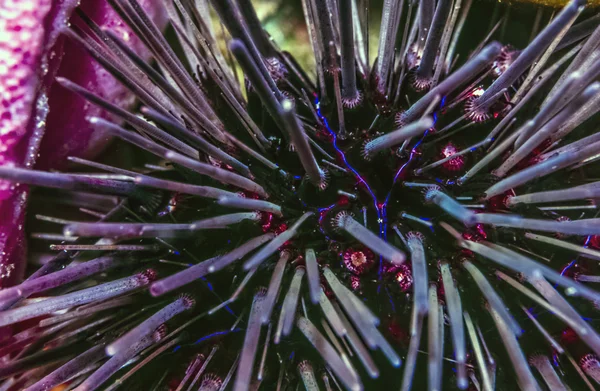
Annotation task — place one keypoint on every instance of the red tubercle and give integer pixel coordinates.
(475, 234)
(481, 231)
(355, 283)
(280, 228)
(594, 242)
(266, 220)
(358, 260)
(174, 383)
(572, 270)
(327, 289)
(147, 276)
(454, 164)
(388, 269)
(343, 200)
(534, 156)
(571, 342)
(250, 195)
(396, 332)
(403, 277)
(568, 336)
(441, 291)
(271, 223)
(471, 236)
(500, 202)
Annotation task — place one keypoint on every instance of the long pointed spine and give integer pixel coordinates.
(343, 370)
(300, 141)
(312, 274)
(248, 354)
(533, 50)
(456, 324)
(524, 376)
(425, 71)
(349, 89)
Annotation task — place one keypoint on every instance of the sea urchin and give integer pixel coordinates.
(308, 230)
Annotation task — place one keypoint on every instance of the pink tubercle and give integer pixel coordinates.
(500, 202)
(403, 278)
(358, 260)
(475, 234)
(355, 283)
(454, 164)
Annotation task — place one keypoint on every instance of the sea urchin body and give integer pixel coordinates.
(279, 221)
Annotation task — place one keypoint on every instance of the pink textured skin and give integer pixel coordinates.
(68, 131)
(31, 53)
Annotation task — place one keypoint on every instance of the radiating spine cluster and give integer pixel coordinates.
(255, 246)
